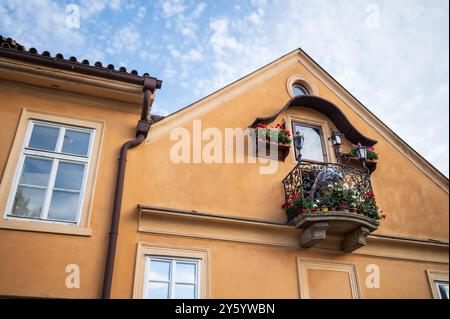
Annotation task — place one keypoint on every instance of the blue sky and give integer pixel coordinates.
(392, 55)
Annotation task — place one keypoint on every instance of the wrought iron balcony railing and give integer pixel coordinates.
(330, 186)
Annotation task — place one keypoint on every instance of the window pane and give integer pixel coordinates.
(35, 171)
(185, 272)
(443, 289)
(159, 270)
(312, 146)
(299, 90)
(76, 142)
(158, 290)
(63, 206)
(28, 202)
(183, 291)
(69, 176)
(44, 137)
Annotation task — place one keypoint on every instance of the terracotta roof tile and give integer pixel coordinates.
(11, 48)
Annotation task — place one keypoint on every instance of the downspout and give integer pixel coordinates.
(143, 126)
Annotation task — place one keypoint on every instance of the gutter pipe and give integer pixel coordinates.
(142, 129)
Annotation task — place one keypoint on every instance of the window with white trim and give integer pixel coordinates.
(313, 146)
(51, 174)
(442, 289)
(171, 278)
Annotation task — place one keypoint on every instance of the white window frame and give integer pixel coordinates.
(437, 283)
(56, 156)
(321, 136)
(172, 283)
(435, 276)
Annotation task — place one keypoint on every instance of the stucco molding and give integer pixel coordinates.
(173, 222)
(30, 70)
(303, 265)
(302, 80)
(328, 109)
(58, 95)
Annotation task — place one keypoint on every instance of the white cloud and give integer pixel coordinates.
(173, 7)
(221, 39)
(141, 11)
(127, 38)
(199, 8)
(192, 55)
(115, 4)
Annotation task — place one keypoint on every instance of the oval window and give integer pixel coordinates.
(299, 90)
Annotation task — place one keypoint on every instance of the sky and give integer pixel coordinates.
(393, 55)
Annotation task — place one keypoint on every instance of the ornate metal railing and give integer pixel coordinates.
(331, 186)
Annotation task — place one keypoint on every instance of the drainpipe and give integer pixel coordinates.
(143, 126)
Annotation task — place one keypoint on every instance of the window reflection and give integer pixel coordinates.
(312, 146)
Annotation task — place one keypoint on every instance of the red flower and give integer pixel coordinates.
(260, 125)
(371, 194)
(286, 205)
(371, 148)
(288, 133)
(294, 197)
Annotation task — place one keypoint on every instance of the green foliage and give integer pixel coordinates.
(371, 155)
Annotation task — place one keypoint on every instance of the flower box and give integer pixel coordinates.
(282, 150)
(371, 164)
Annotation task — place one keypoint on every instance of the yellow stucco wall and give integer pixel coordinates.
(33, 264)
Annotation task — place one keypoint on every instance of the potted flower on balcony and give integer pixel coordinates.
(309, 205)
(371, 161)
(372, 157)
(352, 197)
(370, 208)
(265, 135)
(341, 197)
(293, 206)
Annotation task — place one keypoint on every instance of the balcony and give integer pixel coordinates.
(327, 198)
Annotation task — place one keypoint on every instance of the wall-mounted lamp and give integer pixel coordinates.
(336, 140)
(299, 139)
(361, 152)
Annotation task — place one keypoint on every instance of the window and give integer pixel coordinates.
(298, 85)
(438, 283)
(299, 90)
(51, 175)
(313, 148)
(171, 278)
(171, 272)
(442, 289)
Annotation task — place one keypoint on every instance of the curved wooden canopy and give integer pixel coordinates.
(326, 108)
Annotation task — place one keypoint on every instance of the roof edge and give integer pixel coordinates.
(383, 127)
(72, 65)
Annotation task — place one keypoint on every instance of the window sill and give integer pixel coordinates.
(45, 227)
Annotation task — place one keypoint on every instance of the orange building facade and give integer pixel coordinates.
(199, 221)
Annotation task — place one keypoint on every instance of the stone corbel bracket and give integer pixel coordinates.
(353, 228)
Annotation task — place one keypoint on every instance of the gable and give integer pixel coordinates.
(345, 98)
